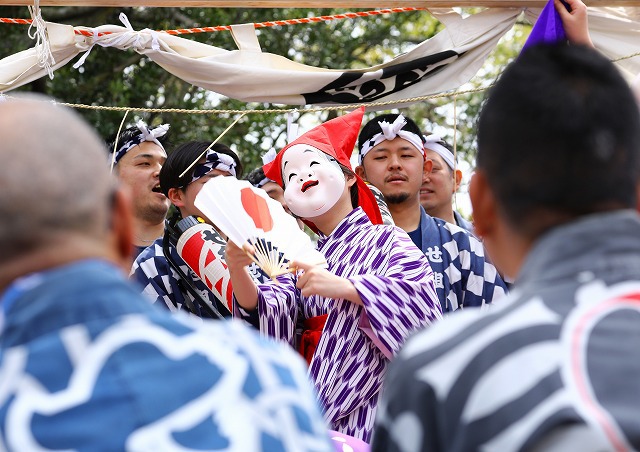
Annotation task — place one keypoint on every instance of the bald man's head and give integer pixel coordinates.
(54, 181)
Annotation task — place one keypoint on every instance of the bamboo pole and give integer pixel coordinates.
(310, 3)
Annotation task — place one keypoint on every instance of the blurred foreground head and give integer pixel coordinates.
(58, 202)
(559, 138)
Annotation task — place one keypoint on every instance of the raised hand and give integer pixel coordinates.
(575, 22)
(244, 288)
(236, 257)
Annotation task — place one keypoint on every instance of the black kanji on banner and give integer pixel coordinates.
(360, 87)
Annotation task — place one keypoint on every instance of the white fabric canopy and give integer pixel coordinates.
(616, 33)
(442, 63)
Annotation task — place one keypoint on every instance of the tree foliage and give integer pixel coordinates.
(112, 77)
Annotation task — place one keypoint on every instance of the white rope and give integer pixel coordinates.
(212, 143)
(38, 31)
(84, 56)
(129, 38)
(115, 143)
(292, 127)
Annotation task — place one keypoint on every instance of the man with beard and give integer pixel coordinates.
(137, 160)
(392, 158)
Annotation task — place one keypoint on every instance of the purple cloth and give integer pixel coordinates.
(394, 281)
(548, 28)
(346, 443)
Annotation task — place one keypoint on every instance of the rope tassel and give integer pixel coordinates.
(38, 31)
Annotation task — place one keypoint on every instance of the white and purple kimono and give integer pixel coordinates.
(394, 281)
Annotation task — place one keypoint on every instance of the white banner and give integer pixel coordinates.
(441, 63)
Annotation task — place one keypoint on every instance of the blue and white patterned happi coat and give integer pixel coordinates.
(394, 281)
(463, 275)
(86, 363)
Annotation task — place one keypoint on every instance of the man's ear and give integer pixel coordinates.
(361, 172)
(122, 229)
(457, 174)
(484, 205)
(428, 166)
(176, 196)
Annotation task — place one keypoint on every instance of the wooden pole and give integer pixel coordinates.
(343, 4)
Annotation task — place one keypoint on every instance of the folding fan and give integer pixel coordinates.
(248, 215)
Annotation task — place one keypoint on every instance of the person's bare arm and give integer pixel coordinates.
(575, 22)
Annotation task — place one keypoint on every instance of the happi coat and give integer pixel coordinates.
(554, 367)
(394, 281)
(88, 364)
(462, 222)
(463, 275)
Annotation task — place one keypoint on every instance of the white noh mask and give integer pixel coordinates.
(314, 181)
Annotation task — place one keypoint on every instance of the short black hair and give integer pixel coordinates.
(128, 134)
(559, 137)
(353, 191)
(183, 156)
(256, 176)
(372, 127)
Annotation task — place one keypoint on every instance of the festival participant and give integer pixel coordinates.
(153, 270)
(392, 158)
(136, 162)
(86, 363)
(556, 368)
(440, 184)
(377, 289)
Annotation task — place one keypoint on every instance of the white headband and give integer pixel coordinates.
(214, 160)
(267, 158)
(432, 143)
(389, 132)
(153, 134)
(145, 135)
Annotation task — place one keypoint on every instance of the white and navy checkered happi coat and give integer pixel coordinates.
(463, 275)
(394, 281)
(162, 284)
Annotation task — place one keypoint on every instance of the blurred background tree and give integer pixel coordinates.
(111, 77)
